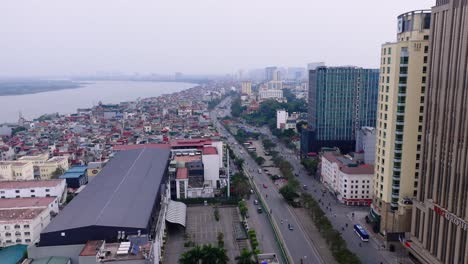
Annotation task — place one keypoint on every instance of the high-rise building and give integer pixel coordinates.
(277, 75)
(246, 87)
(341, 101)
(270, 72)
(403, 71)
(439, 229)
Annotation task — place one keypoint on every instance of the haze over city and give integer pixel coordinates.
(54, 37)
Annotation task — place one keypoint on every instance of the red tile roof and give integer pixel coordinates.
(187, 158)
(210, 151)
(190, 142)
(29, 184)
(182, 173)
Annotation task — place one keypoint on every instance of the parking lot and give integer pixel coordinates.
(202, 228)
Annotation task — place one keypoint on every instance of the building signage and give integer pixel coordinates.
(451, 217)
(400, 25)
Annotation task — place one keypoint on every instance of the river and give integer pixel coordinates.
(69, 100)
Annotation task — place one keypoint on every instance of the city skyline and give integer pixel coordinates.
(78, 38)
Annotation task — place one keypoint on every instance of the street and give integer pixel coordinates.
(298, 245)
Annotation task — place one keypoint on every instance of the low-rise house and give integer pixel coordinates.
(76, 176)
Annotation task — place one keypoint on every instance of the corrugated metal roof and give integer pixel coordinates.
(121, 194)
(51, 260)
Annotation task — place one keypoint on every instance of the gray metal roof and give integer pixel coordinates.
(121, 195)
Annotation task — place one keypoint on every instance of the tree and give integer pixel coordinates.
(288, 192)
(245, 257)
(260, 160)
(57, 173)
(192, 256)
(204, 255)
(236, 107)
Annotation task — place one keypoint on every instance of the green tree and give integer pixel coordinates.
(57, 173)
(236, 107)
(204, 255)
(260, 160)
(288, 192)
(192, 256)
(246, 257)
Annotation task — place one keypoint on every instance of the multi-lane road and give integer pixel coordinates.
(299, 246)
(342, 217)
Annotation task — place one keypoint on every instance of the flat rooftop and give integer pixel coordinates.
(111, 248)
(30, 184)
(29, 202)
(8, 215)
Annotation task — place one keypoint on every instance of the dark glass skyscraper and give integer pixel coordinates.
(341, 100)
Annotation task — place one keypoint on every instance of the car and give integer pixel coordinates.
(297, 175)
(251, 191)
(259, 210)
(264, 186)
(290, 227)
(255, 202)
(305, 187)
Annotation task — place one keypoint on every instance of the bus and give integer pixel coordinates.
(361, 232)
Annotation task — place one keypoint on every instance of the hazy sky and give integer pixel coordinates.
(59, 37)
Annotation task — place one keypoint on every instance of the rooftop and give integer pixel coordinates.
(26, 202)
(8, 215)
(140, 146)
(347, 166)
(182, 173)
(29, 184)
(111, 250)
(51, 260)
(210, 151)
(187, 158)
(120, 195)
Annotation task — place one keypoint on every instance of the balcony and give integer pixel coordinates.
(397, 169)
(395, 196)
(400, 122)
(396, 178)
(397, 160)
(398, 132)
(398, 141)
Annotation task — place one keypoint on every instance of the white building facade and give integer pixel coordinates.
(34, 188)
(350, 182)
(16, 170)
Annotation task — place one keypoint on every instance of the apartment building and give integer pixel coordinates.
(403, 78)
(44, 168)
(350, 180)
(33, 188)
(246, 87)
(23, 219)
(16, 170)
(439, 229)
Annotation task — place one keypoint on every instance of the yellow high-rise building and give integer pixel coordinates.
(400, 111)
(246, 87)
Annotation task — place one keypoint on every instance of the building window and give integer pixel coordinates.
(17, 191)
(27, 233)
(27, 240)
(425, 59)
(47, 195)
(26, 226)
(426, 37)
(47, 190)
(32, 191)
(389, 51)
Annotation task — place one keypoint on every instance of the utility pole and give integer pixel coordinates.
(228, 175)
